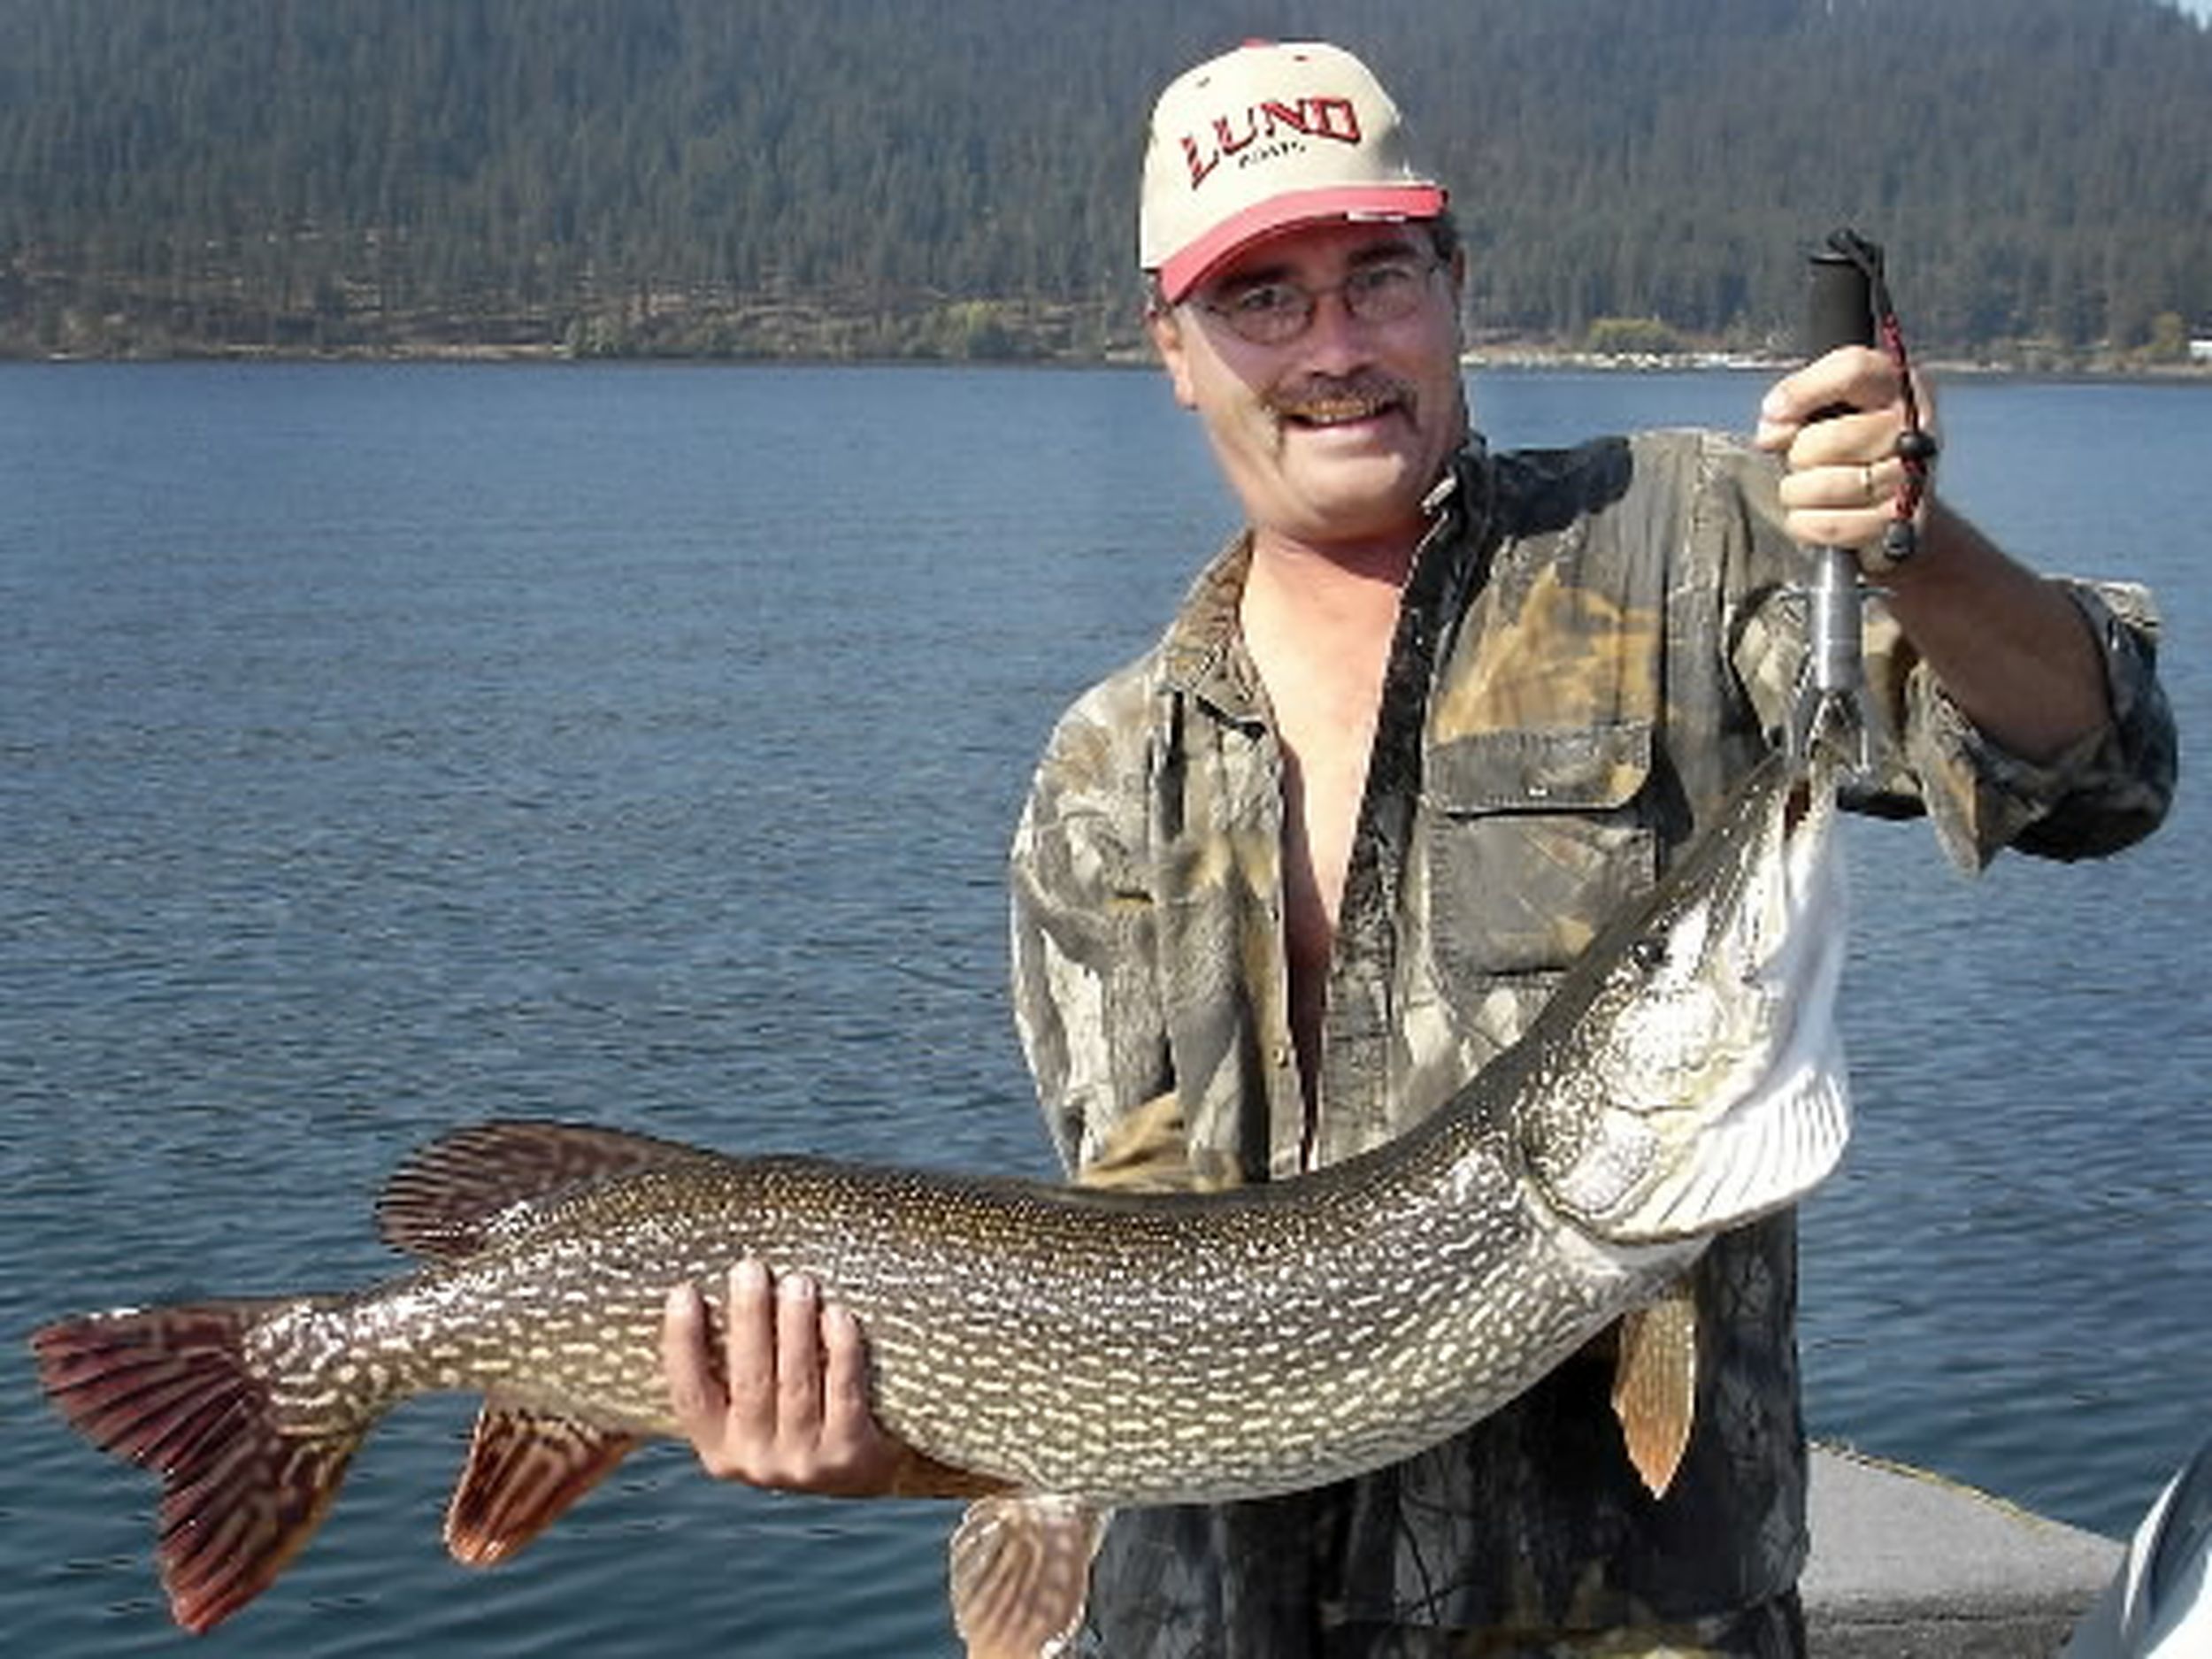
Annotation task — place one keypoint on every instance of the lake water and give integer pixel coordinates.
(386, 747)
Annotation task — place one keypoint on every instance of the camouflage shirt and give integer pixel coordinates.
(1592, 646)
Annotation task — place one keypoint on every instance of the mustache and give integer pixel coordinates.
(1341, 398)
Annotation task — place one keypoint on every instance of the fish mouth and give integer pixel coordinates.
(1724, 1094)
(1779, 1126)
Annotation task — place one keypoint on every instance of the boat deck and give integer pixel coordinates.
(1907, 1565)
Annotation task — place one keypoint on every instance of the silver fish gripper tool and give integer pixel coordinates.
(1831, 706)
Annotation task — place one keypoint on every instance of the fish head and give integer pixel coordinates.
(1694, 1075)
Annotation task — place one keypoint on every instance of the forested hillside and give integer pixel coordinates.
(956, 177)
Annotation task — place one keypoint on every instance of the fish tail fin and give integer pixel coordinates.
(174, 1390)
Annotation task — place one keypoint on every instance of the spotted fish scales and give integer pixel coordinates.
(1077, 1349)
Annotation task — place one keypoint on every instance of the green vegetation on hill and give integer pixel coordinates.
(955, 178)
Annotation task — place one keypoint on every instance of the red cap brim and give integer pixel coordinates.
(1389, 202)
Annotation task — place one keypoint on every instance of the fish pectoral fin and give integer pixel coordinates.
(1021, 1573)
(1654, 1385)
(525, 1468)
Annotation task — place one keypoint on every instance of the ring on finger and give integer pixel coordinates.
(1866, 481)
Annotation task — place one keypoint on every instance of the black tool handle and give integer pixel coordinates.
(1839, 305)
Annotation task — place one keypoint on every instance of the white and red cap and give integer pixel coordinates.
(1264, 138)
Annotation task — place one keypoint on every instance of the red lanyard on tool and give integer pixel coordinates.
(1916, 446)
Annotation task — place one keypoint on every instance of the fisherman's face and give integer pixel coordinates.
(1333, 435)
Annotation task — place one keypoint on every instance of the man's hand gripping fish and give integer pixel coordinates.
(1074, 1349)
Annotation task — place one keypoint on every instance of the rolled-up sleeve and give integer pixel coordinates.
(2104, 793)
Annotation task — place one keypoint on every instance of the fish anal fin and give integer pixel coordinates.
(525, 1468)
(1021, 1574)
(1654, 1385)
(173, 1389)
(452, 1197)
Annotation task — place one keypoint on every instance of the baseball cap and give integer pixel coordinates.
(1270, 136)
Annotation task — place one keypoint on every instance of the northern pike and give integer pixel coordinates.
(1077, 1349)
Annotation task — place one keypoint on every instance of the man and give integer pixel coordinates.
(1287, 881)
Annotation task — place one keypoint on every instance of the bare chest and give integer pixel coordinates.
(1327, 734)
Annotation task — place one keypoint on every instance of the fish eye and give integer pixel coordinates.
(1649, 953)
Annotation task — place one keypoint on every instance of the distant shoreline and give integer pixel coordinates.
(1507, 359)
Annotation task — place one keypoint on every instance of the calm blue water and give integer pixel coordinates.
(382, 749)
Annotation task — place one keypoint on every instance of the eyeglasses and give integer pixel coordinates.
(1277, 310)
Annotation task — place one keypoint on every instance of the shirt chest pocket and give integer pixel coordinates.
(1531, 841)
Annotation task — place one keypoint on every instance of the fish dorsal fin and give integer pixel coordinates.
(1021, 1574)
(1654, 1385)
(525, 1468)
(455, 1195)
